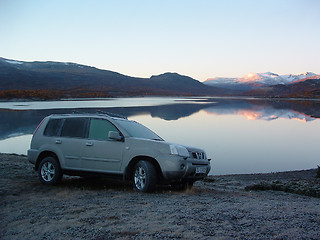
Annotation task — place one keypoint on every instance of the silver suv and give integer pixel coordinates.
(98, 144)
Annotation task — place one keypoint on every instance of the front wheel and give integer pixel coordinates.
(144, 177)
(49, 171)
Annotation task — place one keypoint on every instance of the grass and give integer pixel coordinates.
(208, 179)
(307, 188)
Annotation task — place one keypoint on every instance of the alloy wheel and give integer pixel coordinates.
(140, 178)
(47, 171)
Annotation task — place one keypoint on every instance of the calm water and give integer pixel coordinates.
(240, 135)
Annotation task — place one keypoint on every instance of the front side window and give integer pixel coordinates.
(100, 128)
(74, 127)
(137, 130)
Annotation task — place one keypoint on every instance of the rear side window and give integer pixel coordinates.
(100, 128)
(74, 127)
(53, 128)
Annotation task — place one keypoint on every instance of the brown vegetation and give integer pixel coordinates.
(49, 94)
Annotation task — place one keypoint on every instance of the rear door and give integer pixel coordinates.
(100, 153)
(72, 141)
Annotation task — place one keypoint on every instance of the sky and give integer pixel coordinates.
(140, 38)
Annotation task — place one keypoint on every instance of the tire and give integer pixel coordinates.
(144, 177)
(49, 171)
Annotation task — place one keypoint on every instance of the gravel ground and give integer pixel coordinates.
(105, 209)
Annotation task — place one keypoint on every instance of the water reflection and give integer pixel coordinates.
(266, 113)
(19, 122)
(271, 141)
(237, 145)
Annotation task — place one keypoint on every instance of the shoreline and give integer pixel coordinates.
(161, 96)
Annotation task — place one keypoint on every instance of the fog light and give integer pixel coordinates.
(182, 166)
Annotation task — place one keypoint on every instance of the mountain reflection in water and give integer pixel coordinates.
(21, 122)
(240, 135)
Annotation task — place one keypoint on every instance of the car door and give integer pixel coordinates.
(100, 153)
(72, 141)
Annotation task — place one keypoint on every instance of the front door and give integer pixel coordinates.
(100, 153)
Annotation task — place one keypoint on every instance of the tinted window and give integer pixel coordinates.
(99, 129)
(74, 127)
(53, 127)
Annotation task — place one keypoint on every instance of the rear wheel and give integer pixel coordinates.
(49, 171)
(144, 177)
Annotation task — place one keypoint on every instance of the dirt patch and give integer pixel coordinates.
(219, 208)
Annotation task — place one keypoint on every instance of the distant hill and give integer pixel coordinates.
(60, 80)
(56, 80)
(257, 80)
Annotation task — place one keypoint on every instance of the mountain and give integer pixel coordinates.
(56, 80)
(175, 82)
(260, 79)
(53, 75)
(303, 88)
(227, 83)
(296, 77)
(256, 80)
(299, 80)
(50, 80)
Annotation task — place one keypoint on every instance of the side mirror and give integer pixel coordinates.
(114, 136)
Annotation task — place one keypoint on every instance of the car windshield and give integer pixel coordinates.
(137, 130)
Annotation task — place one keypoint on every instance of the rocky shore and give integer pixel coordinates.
(221, 207)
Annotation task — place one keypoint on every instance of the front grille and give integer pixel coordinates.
(198, 155)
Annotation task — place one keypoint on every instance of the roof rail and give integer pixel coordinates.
(77, 112)
(110, 114)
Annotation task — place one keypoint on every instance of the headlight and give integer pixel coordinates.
(179, 150)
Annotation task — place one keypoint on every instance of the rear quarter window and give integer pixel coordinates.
(53, 128)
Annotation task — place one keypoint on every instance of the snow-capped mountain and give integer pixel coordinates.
(295, 77)
(267, 78)
(256, 80)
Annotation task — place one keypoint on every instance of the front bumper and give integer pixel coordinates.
(175, 168)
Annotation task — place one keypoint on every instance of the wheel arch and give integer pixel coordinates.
(45, 154)
(129, 170)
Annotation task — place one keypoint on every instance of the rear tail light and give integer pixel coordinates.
(38, 126)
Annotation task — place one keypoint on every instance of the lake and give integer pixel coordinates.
(239, 135)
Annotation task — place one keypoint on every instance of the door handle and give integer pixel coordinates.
(58, 141)
(89, 144)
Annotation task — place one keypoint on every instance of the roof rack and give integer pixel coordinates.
(110, 114)
(77, 112)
